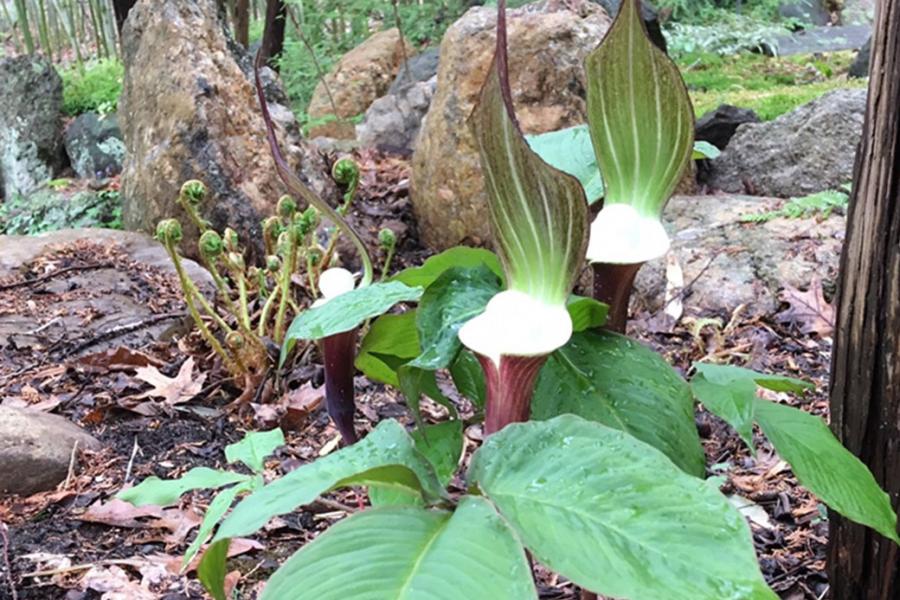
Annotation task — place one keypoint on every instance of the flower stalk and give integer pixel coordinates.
(339, 353)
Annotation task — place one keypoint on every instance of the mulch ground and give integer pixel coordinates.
(71, 544)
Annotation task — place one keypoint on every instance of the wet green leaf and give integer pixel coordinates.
(254, 448)
(570, 151)
(586, 313)
(468, 377)
(164, 492)
(460, 256)
(392, 340)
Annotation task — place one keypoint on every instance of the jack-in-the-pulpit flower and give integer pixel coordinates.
(538, 219)
(642, 128)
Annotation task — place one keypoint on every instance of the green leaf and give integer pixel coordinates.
(640, 116)
(608, 378)
(211, 570)
(570, 151)
(538, 214)
(442, 445)
(586, 313)
(254, 448)
(214, 513)
(406, 553)
(414, 382)
(615, 516)
(348, 311)
(457, 296)
(725, 374)
(386, 456)
(468, 377)
(389, 336)
(164, 492)
(829, 470)
(460, 256)
(705, 150)
(730, 393)
(733, 402)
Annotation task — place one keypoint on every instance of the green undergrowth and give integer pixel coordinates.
(95, 86)
(770, 86)
(819, 205)
(52, 209)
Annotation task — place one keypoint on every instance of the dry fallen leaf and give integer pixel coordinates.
(113, 583)
(172, 390)
(123, 514)
(118, 359)
(809, 310)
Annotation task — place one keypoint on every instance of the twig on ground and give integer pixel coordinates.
(4, 533)
(134, 451)
(71, 472)
(121, 330)
(53, 275)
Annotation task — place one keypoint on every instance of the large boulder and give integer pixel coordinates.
(419, 68)
(808, 150)
(94, 145)
(548, 42)
(729, 263)
(31, 143)
(36, 449)
(189, 111)
(360, 77)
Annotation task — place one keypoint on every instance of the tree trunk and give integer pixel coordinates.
(865, 390)
(273, 35)
(242, 22)
(121, 8)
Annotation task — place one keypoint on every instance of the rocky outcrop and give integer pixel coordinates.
(548, 43)
(94, 145)
(808, 150)
(860, 66)
(361, 76)
(393, 121)
(728, 263)
(36, 449)
(31, 144)
(189, 111)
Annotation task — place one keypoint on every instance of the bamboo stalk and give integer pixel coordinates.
(12, 25)
(98, 34)
(44, 31)
(22, 20)
(68, 29)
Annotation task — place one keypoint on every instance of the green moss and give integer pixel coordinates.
(94, 87)
(52, 209)
(770, 86)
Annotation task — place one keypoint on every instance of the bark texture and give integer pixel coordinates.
(865, 392)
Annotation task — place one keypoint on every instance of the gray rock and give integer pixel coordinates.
(648, 13)
(419, 68)
(860, 66)
(823, 39)
(718, 126)
(31, 144)
(393, 121)
(94, 145)
(36, 448)
(728, 263)
(808, 150)
(49, 209)
(189, 111)
(805, 12)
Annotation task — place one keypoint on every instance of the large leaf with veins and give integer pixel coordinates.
(538, 214)
(640, 116)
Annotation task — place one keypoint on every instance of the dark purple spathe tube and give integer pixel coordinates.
(339, 351)
(509, 389)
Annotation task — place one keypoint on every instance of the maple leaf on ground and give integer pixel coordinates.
(172, 390)
(809, 310)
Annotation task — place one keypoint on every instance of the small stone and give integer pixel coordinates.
(36, 449)
(393, 121)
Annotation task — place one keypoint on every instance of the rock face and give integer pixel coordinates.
(805, 11)
(31, 144)
(728, 263)
(421, 67)
(360, 77)
(189, 111)
(805, 151)
(718, 126)
(860, 66)
(94, 145)
(648, 13)
(36, 448)
(548, 43)
(393, 121)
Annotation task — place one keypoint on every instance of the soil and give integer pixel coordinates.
(54, 553)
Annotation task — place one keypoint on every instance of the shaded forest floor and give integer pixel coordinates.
(76, 544)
